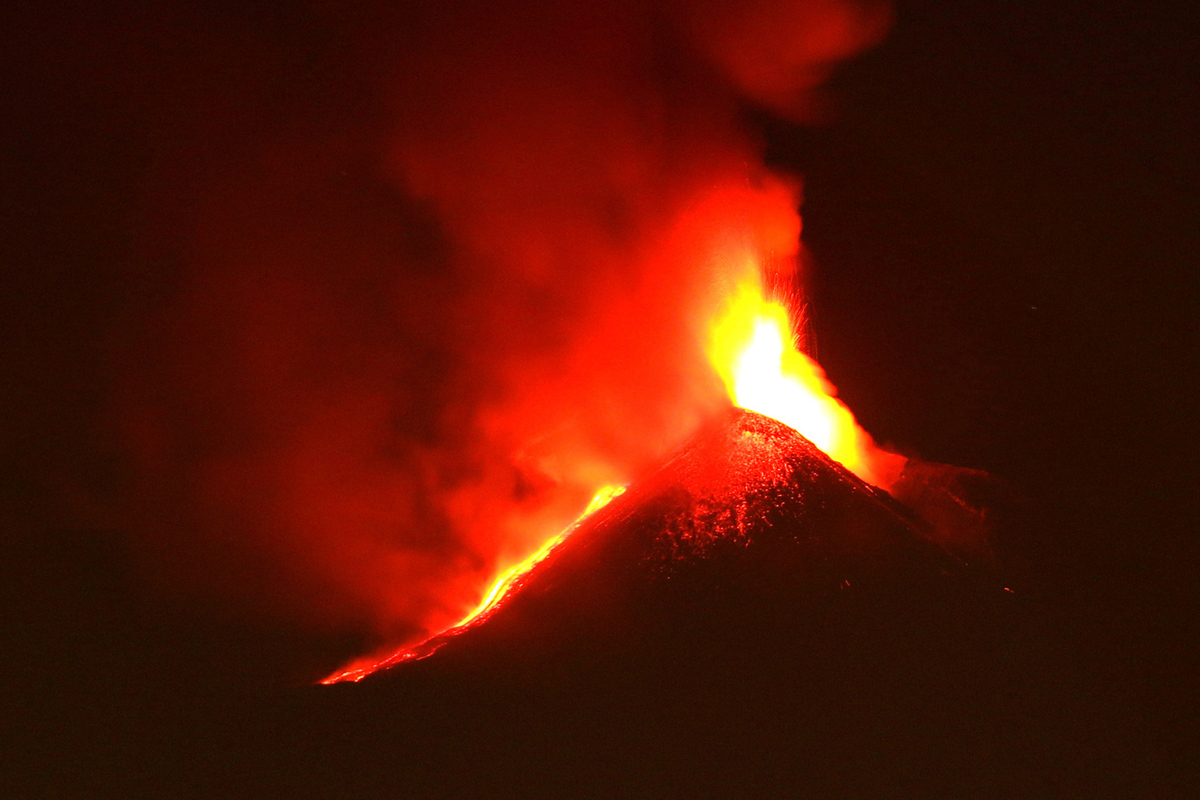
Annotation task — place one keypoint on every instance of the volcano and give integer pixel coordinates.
(748, 605)
(748, 527)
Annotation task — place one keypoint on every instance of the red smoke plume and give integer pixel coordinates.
(425, 313)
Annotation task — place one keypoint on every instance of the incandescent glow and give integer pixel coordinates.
(508, 579)
(752, 348)
(514, 573)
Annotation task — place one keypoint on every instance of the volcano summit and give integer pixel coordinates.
(748, 522)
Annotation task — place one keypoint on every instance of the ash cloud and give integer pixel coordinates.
(435, 275)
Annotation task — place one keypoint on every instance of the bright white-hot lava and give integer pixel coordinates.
(752, 348)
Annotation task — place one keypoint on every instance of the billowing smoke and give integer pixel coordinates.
(423, 312)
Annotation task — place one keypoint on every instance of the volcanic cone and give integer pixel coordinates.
(748, 529)
(750, 605)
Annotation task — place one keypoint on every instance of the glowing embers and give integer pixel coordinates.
(509, 581)
(752, 348)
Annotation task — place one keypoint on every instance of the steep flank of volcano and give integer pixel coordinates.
(748, 609)
(745, 525)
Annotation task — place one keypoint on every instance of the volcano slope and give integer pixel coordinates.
(748, 527)
(748, 620)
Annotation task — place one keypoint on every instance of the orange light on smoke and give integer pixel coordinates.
(752, 348)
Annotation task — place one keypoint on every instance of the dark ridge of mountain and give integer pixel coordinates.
(748, 523)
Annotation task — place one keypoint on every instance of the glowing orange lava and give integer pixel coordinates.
(752, 348)
(508, 580)
(510, 576)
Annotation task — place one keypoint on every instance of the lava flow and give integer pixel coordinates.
(752, 349)
(508, 582)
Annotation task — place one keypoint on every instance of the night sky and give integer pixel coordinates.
(1000, 212)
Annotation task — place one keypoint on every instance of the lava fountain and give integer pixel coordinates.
(753, 349)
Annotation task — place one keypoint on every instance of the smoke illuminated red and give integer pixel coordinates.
(409, 341)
